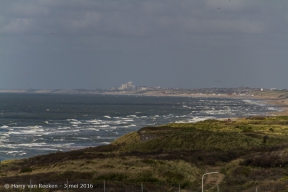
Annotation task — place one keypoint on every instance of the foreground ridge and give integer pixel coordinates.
(247, 153)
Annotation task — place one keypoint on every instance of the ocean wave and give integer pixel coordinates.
(254, 102)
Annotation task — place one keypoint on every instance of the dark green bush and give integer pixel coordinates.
(25, 169)
(113, 177)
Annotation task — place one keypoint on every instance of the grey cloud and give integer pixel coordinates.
(138, 19)
(106, 43)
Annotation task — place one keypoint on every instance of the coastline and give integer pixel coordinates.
(106, 160)
(274, 101)
(282, 104)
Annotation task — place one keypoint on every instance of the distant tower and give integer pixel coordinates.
(127, 86)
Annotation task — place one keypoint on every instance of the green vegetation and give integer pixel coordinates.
(248, 153)
(281, 94)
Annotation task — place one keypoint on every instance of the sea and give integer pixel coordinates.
(36, 124)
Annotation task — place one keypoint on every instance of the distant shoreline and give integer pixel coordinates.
(269, 97)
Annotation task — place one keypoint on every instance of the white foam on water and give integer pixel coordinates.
(195, 119)
(215, 112)
(273, 109)
(102, 126)
(36, 127)
(4, 126)
(108, 137)
(135, 116)
(13, 152)
(62, 139)
(107, 116)
(72, 120)
(32, 144)
(67, 131)
(63, 128)
(94, 122)
(12, 124)
(76, 123)
(105, 143)
(9, 146)
(126, 126)
(46, 149)
(128, 120)
(27, 132)
(92, 129)
(254, 102)
(83, 138)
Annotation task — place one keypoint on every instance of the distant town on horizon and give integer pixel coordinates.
(130, 89)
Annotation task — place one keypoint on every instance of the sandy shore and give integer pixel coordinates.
(280, 103)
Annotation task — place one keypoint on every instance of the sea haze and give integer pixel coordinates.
(34, 124)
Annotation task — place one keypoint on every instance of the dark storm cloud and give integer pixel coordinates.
(89, 44)
(131, 18)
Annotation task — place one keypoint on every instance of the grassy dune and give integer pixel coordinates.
(250, 153)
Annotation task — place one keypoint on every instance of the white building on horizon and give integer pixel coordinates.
(127, 86)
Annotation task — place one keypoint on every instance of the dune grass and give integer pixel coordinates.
(249, 151)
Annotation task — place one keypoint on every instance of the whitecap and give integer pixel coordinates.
(273, 109)
(195, 119)
(132, 116)
(35, 127)
(104, 126)
(72, 120)
(83, 138)
(255, 102)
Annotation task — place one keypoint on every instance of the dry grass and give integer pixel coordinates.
(250, 152)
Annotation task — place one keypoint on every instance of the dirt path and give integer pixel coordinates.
(213, 179)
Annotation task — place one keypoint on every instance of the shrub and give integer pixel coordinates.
(148, 161)
(146, 176)
(172, 177)
(25, 169)
(113, 177)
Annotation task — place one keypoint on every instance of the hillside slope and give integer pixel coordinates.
(248, 153)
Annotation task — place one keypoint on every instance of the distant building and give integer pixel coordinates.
(113, 89)
(127, 86)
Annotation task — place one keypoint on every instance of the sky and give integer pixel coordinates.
(91, 44)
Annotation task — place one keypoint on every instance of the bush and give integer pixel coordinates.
(146, 176)
(25, 169)
(172, 177)
(113, 177)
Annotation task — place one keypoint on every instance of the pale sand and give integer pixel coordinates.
(281, 103)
